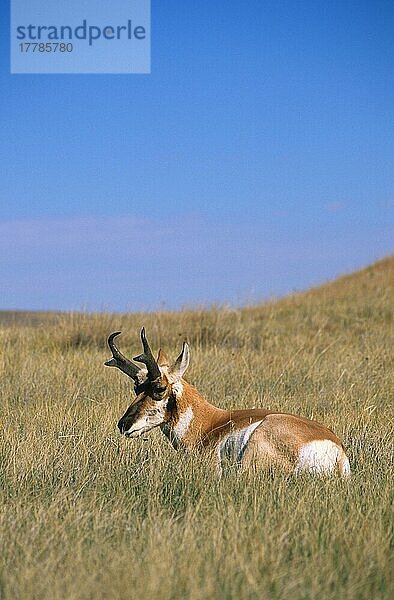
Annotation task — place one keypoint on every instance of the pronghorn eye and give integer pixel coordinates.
(160, 389)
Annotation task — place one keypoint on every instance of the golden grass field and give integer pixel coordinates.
(88, 514)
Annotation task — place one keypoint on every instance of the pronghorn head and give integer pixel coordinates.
(156, 386)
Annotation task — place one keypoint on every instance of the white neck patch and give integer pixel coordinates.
(183, 424)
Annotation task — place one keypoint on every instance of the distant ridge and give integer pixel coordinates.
(377, 275)
(27, 317)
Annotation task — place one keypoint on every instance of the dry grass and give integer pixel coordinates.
(88, 514)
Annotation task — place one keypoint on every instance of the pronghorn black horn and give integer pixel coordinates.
(120, 361)
(148, 359)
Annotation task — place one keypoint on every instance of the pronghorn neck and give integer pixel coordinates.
(192, 417)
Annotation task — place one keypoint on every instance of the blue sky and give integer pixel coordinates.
(256, 159)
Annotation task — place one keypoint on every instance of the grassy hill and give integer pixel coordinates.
(89, 514)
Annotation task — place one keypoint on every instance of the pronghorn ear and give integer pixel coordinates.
(162, 359)
(182, 362)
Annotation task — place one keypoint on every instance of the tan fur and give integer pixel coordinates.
(162, 359)
(277, 440)
(280, 437)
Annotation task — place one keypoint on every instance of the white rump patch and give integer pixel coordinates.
(183, 424)
(232, 447)
(344, 466)
(319, 456)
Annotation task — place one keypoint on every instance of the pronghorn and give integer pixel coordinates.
(247, 437)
